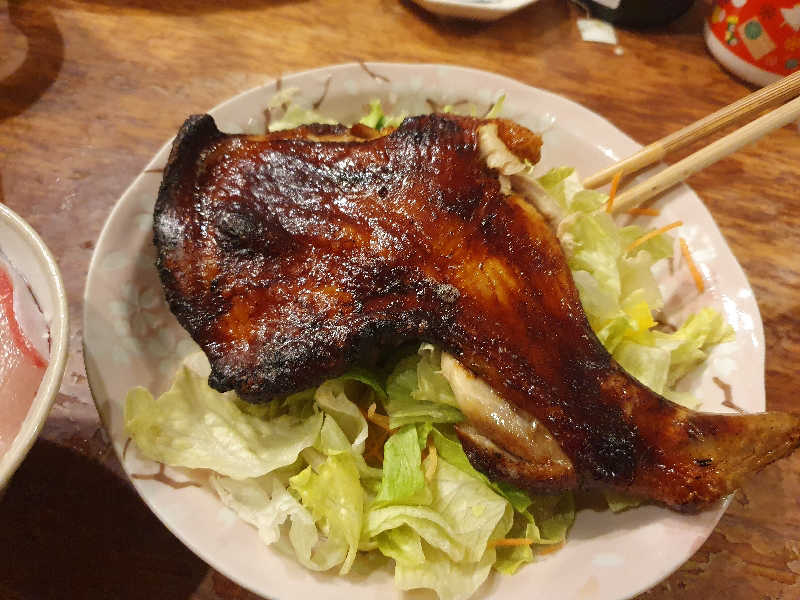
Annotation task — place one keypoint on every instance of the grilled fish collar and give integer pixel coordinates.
(293, 256)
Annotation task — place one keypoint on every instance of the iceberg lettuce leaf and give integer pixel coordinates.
(334, 496)
(296, 111)
(403, 481)
(377, 119)
(333, 399)
(403, 544)
(690, 344)
(266, 504)
(462, 514)
(511, 558)
(418, 393)
(618, 501)
(451, 580)
(192, 425)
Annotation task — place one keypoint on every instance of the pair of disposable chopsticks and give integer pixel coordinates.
(771, 95)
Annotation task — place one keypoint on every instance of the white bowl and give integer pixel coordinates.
(31, 258)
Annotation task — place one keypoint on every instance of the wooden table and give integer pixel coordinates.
(89, 89)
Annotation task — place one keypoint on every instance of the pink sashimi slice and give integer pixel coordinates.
(22, 366)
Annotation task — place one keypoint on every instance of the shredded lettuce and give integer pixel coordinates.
(266, 504)
(403, 481)
(417, 392)
(443, 545)
(334, 495)
(496, 108)
(620, 294)
(295, 111)
(618, 501)
(376, 118)
(451, 580)
(436, 528)
(194, 426)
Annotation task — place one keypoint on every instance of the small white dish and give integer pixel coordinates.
(477, 10)
(131, 338)
(32, 259)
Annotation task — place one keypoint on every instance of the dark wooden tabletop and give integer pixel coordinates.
(90, 89)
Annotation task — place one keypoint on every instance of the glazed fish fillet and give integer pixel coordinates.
(293, 256)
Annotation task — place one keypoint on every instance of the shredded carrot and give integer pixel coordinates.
(373, 455)
(381, 421)
(652, 234)
(364, 132)
(644, 212)
(510, 542)
(613, 191)
(698, 279)
(376, 438)
(373, 447)
(430, 470)
(550, 548)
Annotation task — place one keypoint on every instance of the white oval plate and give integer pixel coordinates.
(132, 339)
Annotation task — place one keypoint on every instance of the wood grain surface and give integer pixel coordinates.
(90, 89)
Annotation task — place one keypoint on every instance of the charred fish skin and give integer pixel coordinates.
(293, 256)
(326, 319)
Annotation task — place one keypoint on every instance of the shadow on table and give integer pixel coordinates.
(69, 528)
(179, 7)
(42, 62)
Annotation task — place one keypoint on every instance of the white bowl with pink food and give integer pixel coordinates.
(34, 326)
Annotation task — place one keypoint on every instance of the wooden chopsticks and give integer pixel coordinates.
(771, 95)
